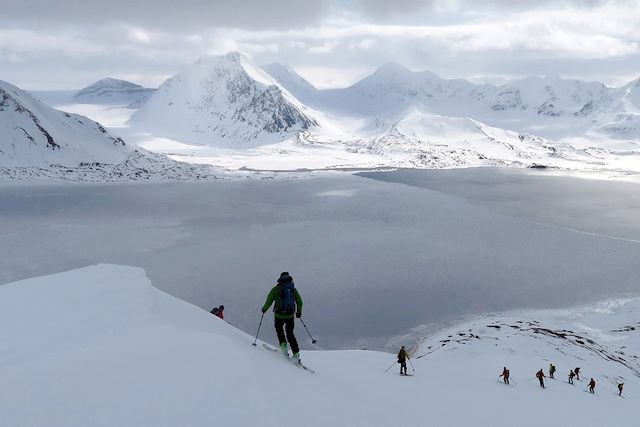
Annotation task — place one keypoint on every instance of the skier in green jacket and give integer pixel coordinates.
(287, 303)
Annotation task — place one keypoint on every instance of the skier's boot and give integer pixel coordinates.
(296, 358)
(284, 350)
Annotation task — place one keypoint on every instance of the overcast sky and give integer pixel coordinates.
(66, 44)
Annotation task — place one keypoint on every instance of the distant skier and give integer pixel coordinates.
(571, 375)
(402, 360)
(541, 377)
(577, 371)
(505, 375)
(592, 385)
(287, 302)
(552, 370)
(620, 387)
(220, 313)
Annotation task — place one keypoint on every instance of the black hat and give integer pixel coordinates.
(285, 277)
(221, 307)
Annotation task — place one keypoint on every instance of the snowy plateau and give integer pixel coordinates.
(101, 346)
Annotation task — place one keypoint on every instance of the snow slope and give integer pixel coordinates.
(100, 346)
(223, 101)
(38, 142)
(292, 81)
(34, 134)
(114, 92)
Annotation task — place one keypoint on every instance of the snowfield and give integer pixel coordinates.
(101, 346)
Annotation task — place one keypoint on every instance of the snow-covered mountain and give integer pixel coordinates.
(420, 139)
(143, 357)
(34, 134)
(618, 116)
(551, 106)
(543, 96)
(39, 142)
(398, 117)
(114, 92)
(223, 101)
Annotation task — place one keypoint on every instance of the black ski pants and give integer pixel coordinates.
(286, 325)
(403, 367)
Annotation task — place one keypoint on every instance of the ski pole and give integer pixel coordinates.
(391, 366)
(412, 368)
(256, 340)
(305, 326)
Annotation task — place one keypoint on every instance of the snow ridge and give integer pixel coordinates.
(176, 351)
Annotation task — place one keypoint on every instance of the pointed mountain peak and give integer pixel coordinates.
(232, 63)
(231, 58)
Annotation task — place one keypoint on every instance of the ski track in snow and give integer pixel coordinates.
(588, 233)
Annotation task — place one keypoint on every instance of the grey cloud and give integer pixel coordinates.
(508, 45)
(436, 10)
(167, 14)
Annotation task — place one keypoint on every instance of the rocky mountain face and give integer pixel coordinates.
(38, 142)
(223, 101)
(34, 134)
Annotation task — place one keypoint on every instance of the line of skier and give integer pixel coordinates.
(573, 373)
(287, 305)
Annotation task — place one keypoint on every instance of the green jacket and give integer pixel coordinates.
(274, 295)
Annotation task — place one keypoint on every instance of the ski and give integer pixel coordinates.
(294, 363)
(267, 347)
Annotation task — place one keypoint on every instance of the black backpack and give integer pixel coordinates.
(287, 302)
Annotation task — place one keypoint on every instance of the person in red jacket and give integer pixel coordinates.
(540, 376)
(505, 375)
(592, 385)
(218, 311)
